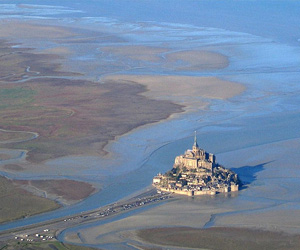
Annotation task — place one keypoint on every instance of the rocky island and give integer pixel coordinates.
(197, 173)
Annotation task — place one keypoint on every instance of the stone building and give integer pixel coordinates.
(196, 158)
(197, 173)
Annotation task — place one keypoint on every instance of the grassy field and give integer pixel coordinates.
(23, 203)
(15, 97)
(69, 190)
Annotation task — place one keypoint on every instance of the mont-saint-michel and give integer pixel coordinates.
(97, 97)
(196, 172)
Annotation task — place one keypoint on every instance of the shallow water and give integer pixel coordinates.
(274, 19)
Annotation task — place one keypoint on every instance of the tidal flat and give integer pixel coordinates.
(246, 113)
(266, 203)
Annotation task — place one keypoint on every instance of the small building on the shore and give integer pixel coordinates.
(157, 179)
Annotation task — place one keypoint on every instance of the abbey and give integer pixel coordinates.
(196, 158)
(197, 173)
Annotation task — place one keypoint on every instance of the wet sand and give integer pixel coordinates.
(219, 238)
(141, 53)
(14, 29)
(193, 60)
(184, 60)
(192, 92)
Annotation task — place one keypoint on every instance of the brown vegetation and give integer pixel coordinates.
(18, 64)
(70, 116)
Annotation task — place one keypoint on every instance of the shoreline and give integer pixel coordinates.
(59, 225)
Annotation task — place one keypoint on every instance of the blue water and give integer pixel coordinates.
(275, 19)
(259, 37)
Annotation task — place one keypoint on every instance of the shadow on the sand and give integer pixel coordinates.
(247, 174)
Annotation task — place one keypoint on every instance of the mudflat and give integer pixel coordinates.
(198, 60)
(190, 91)
(219, 238)
(141, 53)
(185, 60)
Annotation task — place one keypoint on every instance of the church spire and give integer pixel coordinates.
(195, 140)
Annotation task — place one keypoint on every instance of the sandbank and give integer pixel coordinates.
(192, 92)
(197, 60)
(14, 29)
(168, 58)
(219, 238)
